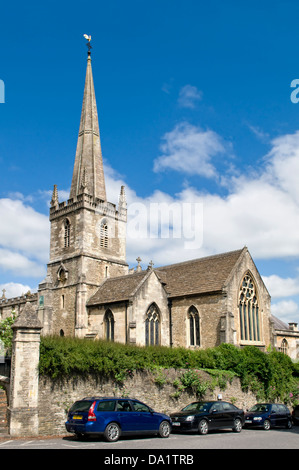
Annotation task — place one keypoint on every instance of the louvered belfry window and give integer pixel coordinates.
(67, 231)
(104, 235)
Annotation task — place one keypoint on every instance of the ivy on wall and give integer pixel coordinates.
(271, 375)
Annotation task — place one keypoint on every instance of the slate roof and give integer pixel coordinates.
(279, 324)
(117, 289)
(197, 276)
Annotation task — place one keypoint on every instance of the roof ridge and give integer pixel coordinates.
(126, 275)
(218, 255)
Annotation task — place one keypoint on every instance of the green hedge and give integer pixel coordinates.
(270, 375)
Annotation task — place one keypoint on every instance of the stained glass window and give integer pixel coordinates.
(249, 310)
(152, 326)
(109, 325)
(194, 326)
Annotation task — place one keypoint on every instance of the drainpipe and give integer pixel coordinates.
(126, 320)
(170, 322)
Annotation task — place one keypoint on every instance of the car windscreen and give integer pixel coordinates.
(197, 406)
(82, 406)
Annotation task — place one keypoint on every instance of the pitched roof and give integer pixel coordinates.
(118, 289)
(198, 276)
(279, 324)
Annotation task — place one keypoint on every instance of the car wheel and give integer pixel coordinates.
(266, 425)
(237, 425)
(203, 427)
(112, 432)
(164, 429)
(289, 424)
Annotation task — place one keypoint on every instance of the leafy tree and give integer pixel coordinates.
(6, 332)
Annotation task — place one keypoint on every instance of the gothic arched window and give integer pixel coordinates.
(284, 346)
(104, 234)
(194, 327)
(152, 326)
(249, 310)
(67, 231)
(109, 325)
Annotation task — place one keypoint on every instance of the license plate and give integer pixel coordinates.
(248, 421)
(176, 424)
(77, 417)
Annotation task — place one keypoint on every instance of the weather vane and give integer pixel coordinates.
(88, 42)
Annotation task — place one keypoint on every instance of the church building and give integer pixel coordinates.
(89, 291)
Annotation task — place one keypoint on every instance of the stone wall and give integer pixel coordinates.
(15, 304)
(56, 397)
(3, 412)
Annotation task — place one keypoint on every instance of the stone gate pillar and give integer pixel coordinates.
(23, 401)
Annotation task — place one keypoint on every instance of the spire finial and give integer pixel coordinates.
(54, 200)
(88, 43)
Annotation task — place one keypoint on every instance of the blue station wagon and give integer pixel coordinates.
(113, 417)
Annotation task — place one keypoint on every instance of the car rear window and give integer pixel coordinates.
(106, 405)
(81, 406)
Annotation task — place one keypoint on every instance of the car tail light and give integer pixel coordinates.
(91, 415)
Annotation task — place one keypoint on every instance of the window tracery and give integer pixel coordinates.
(109, 325)
(284, 346)
(194, 326)
(249, 310)
(152, 326)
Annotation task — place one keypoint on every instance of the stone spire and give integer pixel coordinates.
(88, 166)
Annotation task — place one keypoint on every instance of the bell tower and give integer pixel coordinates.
(88, 233)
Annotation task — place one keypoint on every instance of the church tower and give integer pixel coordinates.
(88, 233)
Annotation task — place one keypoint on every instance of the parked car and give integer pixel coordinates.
(295, 415)
(112, 417)
(268, 415)
(203, 416)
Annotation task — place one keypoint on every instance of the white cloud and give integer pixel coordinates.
(18, 264)
(281, 287)
(23, 229)
(13, 289)
(24, 239)
(286, 310)
(261, 210)
(259, 133)
(188, 96)
(189, 149)
(283, 166)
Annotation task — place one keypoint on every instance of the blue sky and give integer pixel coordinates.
(194, 103)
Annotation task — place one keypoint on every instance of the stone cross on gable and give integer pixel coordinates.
(150, 265)
(138, 268)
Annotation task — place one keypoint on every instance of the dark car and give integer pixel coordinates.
(268, 415)
(203, 416)
(112, 417)
(295, 415)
